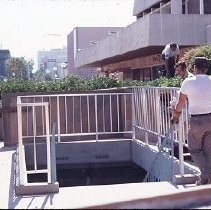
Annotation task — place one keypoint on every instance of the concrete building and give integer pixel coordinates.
(4, 55)
(53, 61)
(135, 50)
(81, 38)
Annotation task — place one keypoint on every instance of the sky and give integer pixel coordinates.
(27, 26)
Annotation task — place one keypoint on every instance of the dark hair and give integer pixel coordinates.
(201, 63)
(173, 45)
(180, 63)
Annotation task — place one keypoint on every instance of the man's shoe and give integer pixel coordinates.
(201, 182)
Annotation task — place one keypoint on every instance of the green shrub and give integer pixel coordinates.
(80, 84)
(103, 82)
(201, 51)
(129, 83)
(165, 82)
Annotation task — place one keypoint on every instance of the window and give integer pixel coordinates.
(207, 7)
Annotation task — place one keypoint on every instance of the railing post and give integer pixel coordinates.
(48, 143)
(53, 155)
(20, 143)
(158, 114)
(96, 120)
(172, 128)
(181, 157)
(58, 118)
(133, 116)
(145, 117)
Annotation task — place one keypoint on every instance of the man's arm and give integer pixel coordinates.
(178, 108)
(181, 102)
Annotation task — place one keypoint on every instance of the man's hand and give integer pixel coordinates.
(175, 116)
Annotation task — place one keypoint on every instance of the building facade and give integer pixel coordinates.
(81, 38)
(53, 62)
(4, 55)
(134, 51)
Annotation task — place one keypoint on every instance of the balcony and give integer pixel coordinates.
(145, 35)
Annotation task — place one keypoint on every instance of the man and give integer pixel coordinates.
(197, 90)
(171, 55)
(180, 70)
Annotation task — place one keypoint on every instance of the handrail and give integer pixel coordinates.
(105, 113)
(82, 114)
(152, 117)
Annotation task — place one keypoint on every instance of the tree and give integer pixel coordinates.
(19, 67)
(42, 75)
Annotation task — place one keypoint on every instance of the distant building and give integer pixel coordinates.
(134, 51)
(4, 55)
(81, 38)
(53, 61)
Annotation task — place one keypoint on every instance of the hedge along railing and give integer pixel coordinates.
(79, 83)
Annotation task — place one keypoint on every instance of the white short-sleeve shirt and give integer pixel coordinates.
(170, 53)
(198, 91)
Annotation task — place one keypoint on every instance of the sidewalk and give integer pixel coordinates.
(158, 194)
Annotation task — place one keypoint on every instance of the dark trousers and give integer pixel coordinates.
(170, 71)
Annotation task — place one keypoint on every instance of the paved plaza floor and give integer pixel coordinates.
(131, 195)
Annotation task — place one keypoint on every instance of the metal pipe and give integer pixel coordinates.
(20, 142)
(53, 155)
(58, 119)
(48, 143)
(96, 119)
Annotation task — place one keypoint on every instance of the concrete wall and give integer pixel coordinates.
(176, 7)
(171, 28)
(70, 52)
(72, 154)
(151, 30)
(128, 38)
(193, 6)
(79, 38)
(144, 156)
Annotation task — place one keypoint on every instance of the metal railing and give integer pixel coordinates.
(162, 167)
(72, 115)
(98, 116)
(50, 146)
(152, 116)
(80, 115)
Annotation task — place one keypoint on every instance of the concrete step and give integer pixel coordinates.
(37, 188)
(185, 179)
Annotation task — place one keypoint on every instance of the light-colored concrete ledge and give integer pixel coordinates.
(190, 198)
(37, 188)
